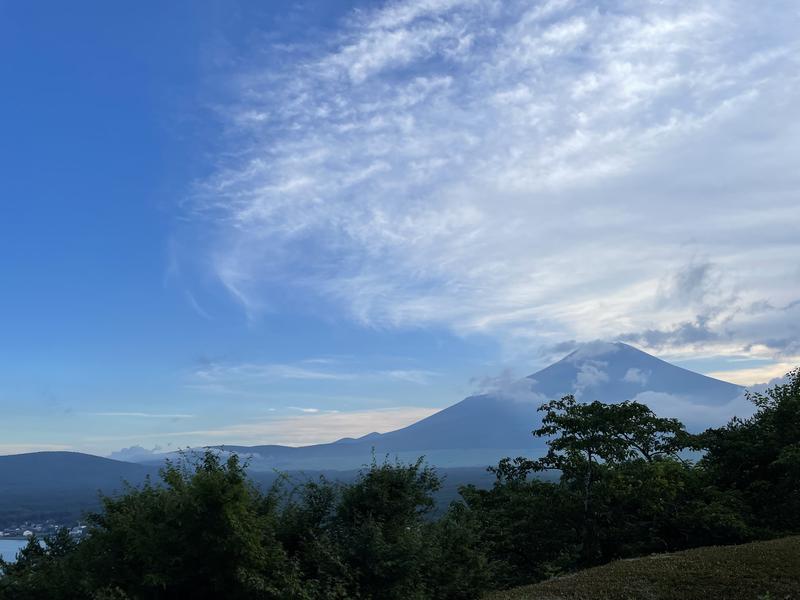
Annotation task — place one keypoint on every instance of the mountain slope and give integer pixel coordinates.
(59, 485)
(606, 372)
(482, 428)
(617, 372)
(65, 469)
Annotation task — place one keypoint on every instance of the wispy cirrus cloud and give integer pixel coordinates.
(218, 375)
(144, 415)
(538, 171)
(32, 447)
(267, 372)
(308, 428)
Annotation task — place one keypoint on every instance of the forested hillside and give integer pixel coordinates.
(624, 491)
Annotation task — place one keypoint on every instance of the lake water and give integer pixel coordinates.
(9, 548)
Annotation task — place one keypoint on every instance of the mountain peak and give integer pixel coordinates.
(483, 428)
(615, 371)
(605, 351)
(596, 349)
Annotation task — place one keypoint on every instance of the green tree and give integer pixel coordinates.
(586, 440)
(375, 538)
(458, 568)
(308, 531)
(381, 529)
(759, 457)
(662, 505)
(43, 570)
(205, 532)
(529, 529)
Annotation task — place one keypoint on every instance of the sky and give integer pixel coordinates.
(289, 222)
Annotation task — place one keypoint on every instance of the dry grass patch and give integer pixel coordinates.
(758, 571)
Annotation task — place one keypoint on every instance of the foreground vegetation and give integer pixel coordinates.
(754, 571)
(205, 531)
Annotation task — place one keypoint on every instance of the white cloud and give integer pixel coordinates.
(590, 374)
(266, 372)
(144, 415)
(636, 376)
(300, 430)
(136, 453)
(539, 171)
(230, 377)
(593, 349)
(507, 385)
(420, 376)
(692, 413)
(755, 375)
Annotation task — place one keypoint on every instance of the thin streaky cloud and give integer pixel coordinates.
(268, 371)
(196, 306)
(311, 428)
(144, 415)
(216, 376)
(534, 171)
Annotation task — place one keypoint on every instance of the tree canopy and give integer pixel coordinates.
(622, 489)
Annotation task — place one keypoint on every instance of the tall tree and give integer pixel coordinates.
(586, 438)
(759, 457)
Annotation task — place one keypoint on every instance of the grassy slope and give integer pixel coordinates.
(761, 570)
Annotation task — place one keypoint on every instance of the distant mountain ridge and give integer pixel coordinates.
(474, 432)
(484, 427)
(60, 485)
(64, 486)
(67, 469)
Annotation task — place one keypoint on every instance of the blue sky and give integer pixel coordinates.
(291, 221)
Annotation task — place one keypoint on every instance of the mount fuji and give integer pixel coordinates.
(485, 427)
(460, 440)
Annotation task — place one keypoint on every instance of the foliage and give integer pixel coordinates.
(530, 529)
(589, 443)
(377, 537)
(372, 539)
(205, 531)
(381, 531)
(458, 567)
(611, 433)
(759, 457)
(661, 506)
(625, 491)
(44, 569)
